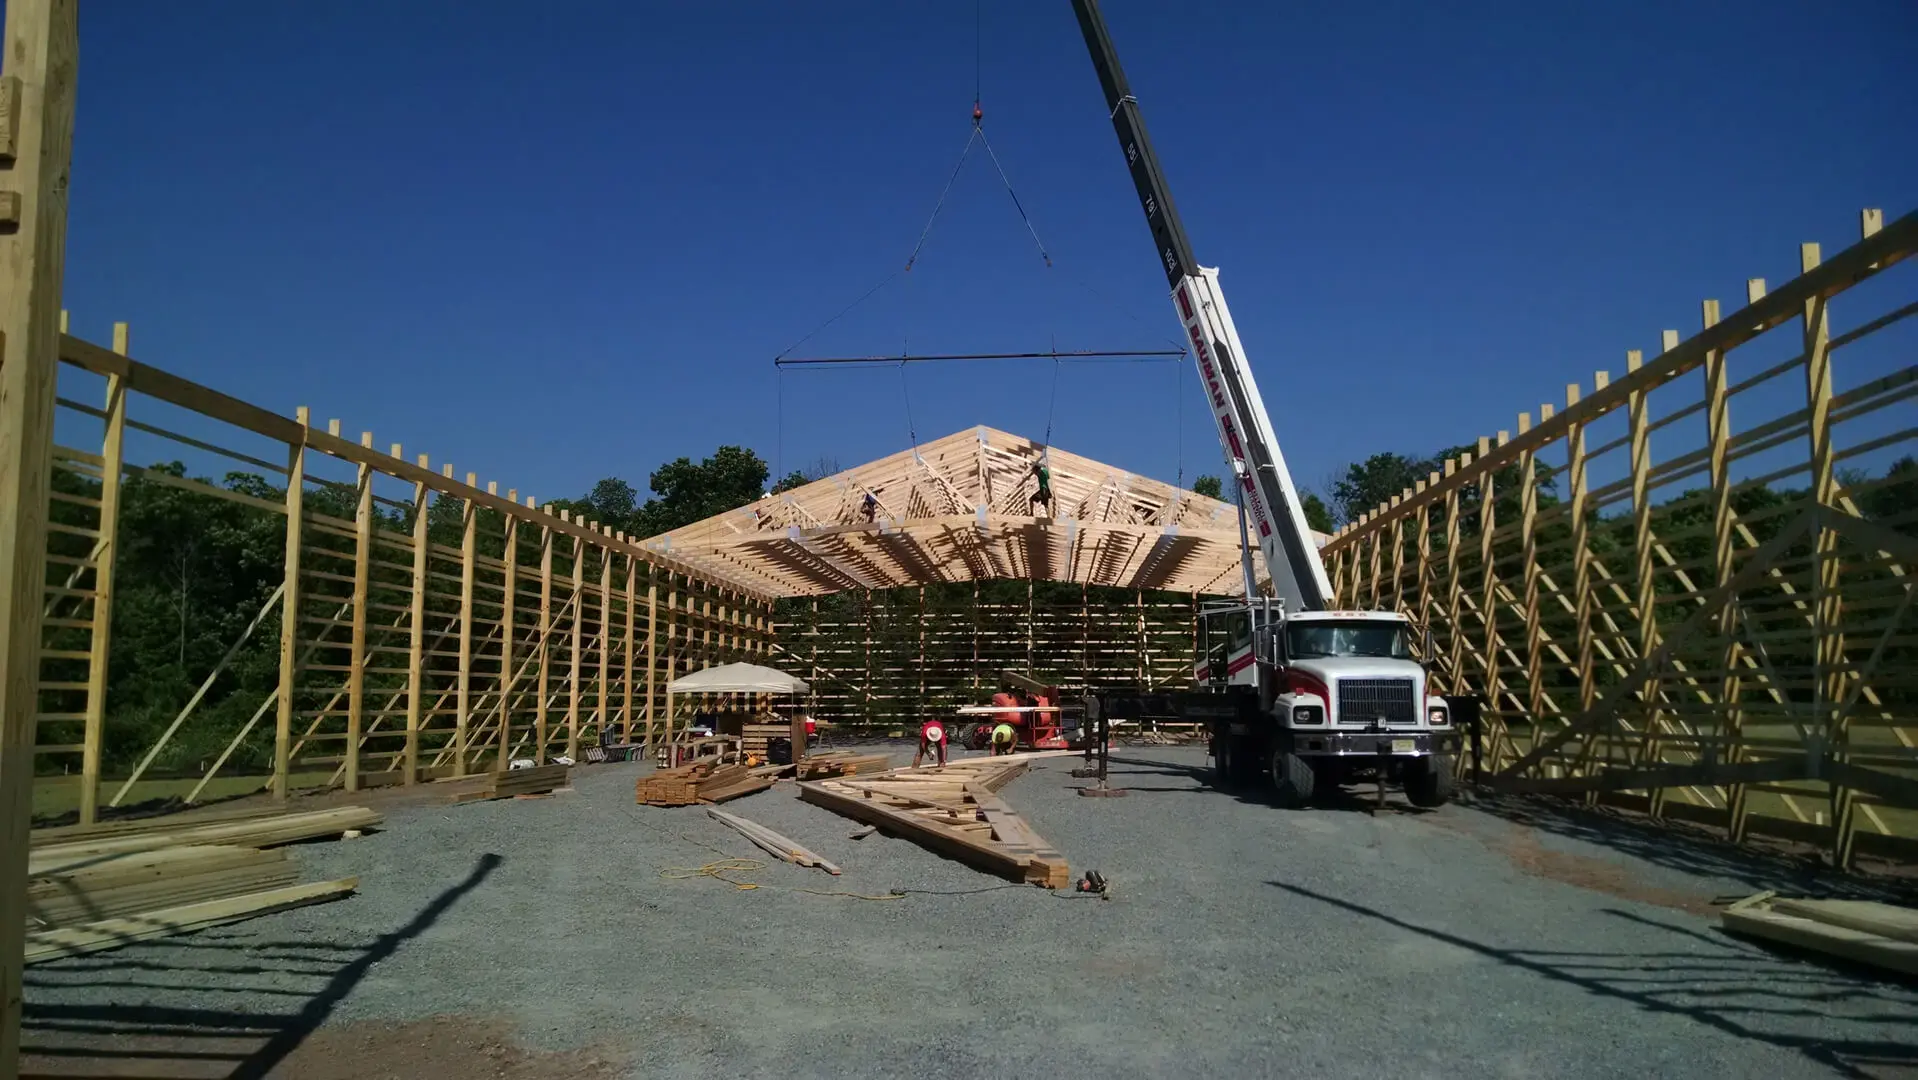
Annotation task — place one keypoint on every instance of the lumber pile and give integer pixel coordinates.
(537, 780)
(111, 884)
(700, 782)
(754, 737)
(841, 763)
(954, 810)
(1861, 931)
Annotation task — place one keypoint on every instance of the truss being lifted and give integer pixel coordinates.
(961, 509)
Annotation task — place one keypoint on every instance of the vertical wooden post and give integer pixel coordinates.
(469, 551)
(672, 637)
(1378, 550)
(1718, 434)
(42, 55)
(1528, 539)
(604, 711)
(1828, 678)
(1582, 576)
(1029, 622)
(290, 608)
(572, 647)
(106, 553)
(362, 577)
(1488, 587)
(541, 730)
(1454, 591)
(1144, 677)
(1424, 566)
(1398, 558)
(416, 636)
(1651, 754)
(922, 652)
(632, 597)
(652, 651)
(508, 647)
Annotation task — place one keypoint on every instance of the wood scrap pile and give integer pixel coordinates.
(1861, 931)
(754, 737)
(701, 782)
(842, 763)
(953, 809)
(513, 782)
(102, 886)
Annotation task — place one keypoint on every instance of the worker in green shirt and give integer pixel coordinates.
(1042, 495)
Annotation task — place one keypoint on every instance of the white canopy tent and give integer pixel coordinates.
(738, 679)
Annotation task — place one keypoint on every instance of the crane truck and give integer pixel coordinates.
(1291, 693)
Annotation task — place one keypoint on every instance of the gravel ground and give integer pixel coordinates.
(1240, 940)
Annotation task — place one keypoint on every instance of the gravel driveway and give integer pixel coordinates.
(1240, 940)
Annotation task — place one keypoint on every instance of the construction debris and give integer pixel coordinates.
(703, 782)
(537, 780)
(773, 843)
(1861, 931)
(952, 809)
(117, 883)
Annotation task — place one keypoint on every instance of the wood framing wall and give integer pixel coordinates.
(1689, 589)
(516, 632)
(889, 659)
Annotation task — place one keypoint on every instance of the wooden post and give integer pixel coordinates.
(652, 651)
(416, 636)
(604, 692)
(362, 576)
(1582, 575)
(1718, 433)
(41, 58)
(626, 700)
(1651, 754)
(572, 646)
(290, 608)
(541, 730)
(106, 553)
(672, 636)
(1455, 593)
(1829, 667)
(1528, 537)
(469, 551)
(508, 649)
(1488, 586)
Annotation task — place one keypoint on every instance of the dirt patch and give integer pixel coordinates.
(1525, 851)
(470, 1048)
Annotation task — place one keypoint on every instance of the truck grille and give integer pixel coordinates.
(1363, 700)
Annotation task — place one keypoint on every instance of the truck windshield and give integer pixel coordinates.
(1321, 639)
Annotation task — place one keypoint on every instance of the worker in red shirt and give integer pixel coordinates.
(932, 739)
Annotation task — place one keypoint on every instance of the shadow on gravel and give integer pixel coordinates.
(1362, 799)
(222, 1043)
(1679, 846)
(1741, 992)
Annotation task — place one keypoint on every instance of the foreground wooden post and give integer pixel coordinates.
(652, 651)
(1718, 435)
(106, 551)
(416, 639)
(42, 55)
(362, 577)
(1828, 665)
(290, 608)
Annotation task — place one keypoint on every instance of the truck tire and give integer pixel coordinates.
(1430, 783)
(1292, 779)
(1222, 762)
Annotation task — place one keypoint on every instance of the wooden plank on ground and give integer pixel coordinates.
(1857, 946)
(1869, 916)
(113, 933)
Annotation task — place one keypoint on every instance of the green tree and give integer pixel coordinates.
(686, 492)
(1362, 487)
(1316, 515)
(1209, 486)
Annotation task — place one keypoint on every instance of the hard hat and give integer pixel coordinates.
(934, 733)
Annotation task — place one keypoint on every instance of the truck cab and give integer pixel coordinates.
(1324, 698)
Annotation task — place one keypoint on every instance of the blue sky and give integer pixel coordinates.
(555, 243)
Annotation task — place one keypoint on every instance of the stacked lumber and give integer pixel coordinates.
(537, 780)
(953, 809)
(842, 763)
(1861, 931)
(754, 737)
(700, 782)
(120, 882)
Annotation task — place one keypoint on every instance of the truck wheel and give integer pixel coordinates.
(1292, 779)
(1222, 762)
(1429, 783)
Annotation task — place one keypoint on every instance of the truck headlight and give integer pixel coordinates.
(1308, 714)
(1436, 716)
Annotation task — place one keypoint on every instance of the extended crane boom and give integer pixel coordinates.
(1268, 499)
